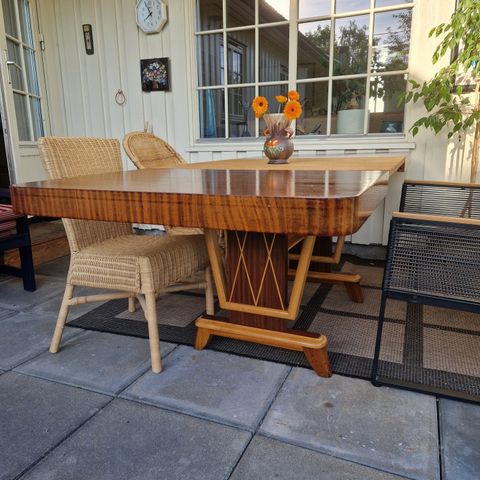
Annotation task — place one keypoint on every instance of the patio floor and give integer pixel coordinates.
(95, 410)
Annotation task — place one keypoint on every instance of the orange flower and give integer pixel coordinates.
(294, 95)
(281, 99)
(260, 106)
(292, 110)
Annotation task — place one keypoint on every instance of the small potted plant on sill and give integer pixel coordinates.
(350, 115)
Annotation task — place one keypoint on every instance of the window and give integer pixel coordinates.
(23, 69)
(347, 58)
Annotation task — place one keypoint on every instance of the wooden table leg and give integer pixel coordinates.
(255, 295)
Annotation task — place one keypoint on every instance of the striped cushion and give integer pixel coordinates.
(7, 218)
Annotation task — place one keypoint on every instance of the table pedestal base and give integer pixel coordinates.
(254, 293)
(314, 346)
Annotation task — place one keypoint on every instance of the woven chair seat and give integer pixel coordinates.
(156, 262)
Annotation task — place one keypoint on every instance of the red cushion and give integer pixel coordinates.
(7, 218)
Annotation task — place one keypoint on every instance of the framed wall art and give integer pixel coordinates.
(155, 75)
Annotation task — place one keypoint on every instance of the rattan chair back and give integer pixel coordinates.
(65, 157)
(146, 150)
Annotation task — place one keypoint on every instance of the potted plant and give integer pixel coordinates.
(448, 106)
(350, 114)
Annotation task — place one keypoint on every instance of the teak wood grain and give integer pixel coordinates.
(323, 203)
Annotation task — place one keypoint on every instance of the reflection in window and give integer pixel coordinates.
(351, 45)
(240, 13)
(209, 14)
(342, 6)
(313, 120)
(313, 8)
(241, 117)
(386, 115)
(212, 113)
(313, 49)
(274, 10)
(391, 40)
(259, 55)
(273, 43)
(348, 106)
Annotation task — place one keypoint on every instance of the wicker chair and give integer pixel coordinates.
(108, 255)
(146, 150)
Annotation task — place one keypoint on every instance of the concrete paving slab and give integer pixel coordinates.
(35, 415)
(384, 428)
(460, 440)
(26, 335)
(266, 458)
(214, 385)
(132, 441)
(55, 268)
(51, 307)
(98, 361)
(14, 297)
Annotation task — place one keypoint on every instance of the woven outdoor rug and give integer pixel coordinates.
(424, 348)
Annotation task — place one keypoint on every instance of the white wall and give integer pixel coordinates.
(81, 90)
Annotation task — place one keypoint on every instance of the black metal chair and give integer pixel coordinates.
(460, 200)
(433, 253)
(15, 233)
(431, 260)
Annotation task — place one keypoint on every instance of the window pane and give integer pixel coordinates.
(21, 114)
(15, 70)
(391, 40)
(342, 6)
(209, 14)
(313, 8)
(212, 113)
(313, 49)
(36, 110)
(210, 59)
(314, 98)
(348, 106)
(9, 18)
(273, 54)
(351, 45)
(270, 92)
(386, 116)
(273, 10)
(31, 68)
(387, 3)
(25, 22)
(241, 116)
(240, 13)
(241, 56)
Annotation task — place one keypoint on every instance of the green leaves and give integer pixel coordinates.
(445, 104)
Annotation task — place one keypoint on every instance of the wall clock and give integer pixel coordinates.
(151, 15)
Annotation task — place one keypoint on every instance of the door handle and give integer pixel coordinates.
(11, 63)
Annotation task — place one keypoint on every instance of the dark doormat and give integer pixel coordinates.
(424, 348)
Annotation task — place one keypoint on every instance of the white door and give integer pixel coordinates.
(21, 88)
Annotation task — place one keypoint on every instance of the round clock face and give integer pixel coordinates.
(151, 15)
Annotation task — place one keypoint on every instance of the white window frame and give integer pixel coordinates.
(339, 142)
(22, 44)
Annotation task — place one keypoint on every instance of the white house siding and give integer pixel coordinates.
(81, 90)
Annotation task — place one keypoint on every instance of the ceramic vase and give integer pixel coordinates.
(278, 146)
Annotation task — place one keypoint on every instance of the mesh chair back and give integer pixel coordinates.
(450, 199)
(436, 262)
(148, 151)
(66, 157)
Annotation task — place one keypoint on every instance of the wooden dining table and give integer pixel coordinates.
(259, 206)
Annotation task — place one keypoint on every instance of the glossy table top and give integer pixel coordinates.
(294, 200)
